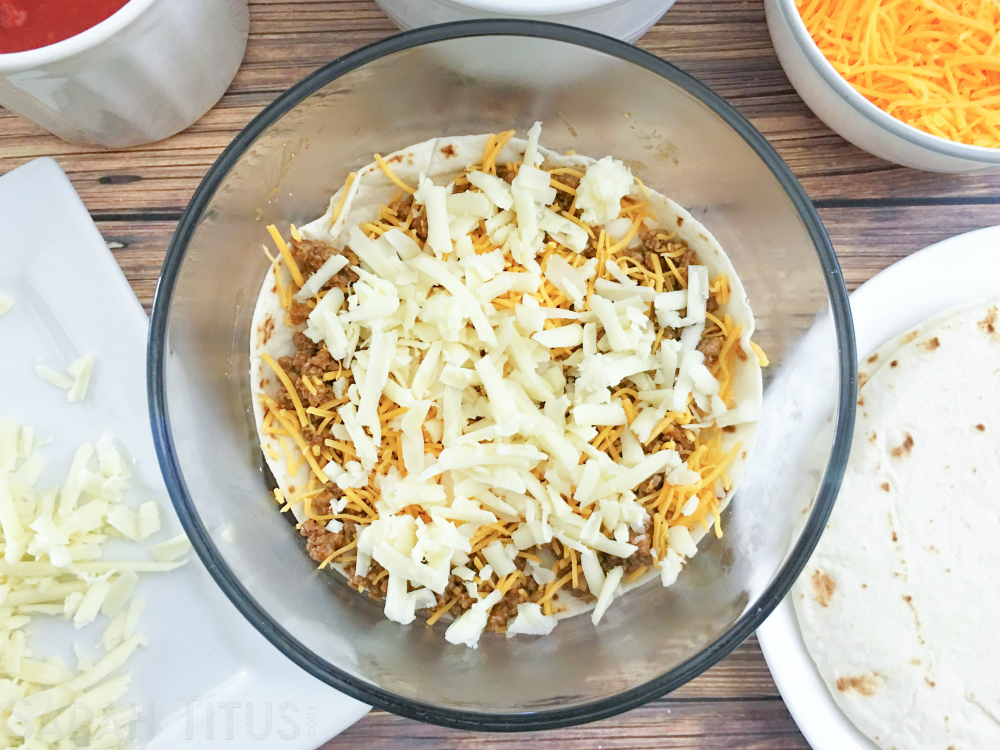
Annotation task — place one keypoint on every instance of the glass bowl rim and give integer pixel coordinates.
(305, 658)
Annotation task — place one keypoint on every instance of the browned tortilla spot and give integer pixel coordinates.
(930, 682)
(894, 363)
(862, 379)
(448, 150)
(823, 588)
(680, 220)
(873, 358)
(907, 338)
(861, 401)
(981, 427)
(904, 449)
(392, 159)
(267, 329)
(931, 345)
(885, 486)
(863, 685)
(988, 324)
(873, 437)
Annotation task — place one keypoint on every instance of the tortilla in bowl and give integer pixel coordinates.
(500, 393)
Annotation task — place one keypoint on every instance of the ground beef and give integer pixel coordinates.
(649, 243)
(402, 207)
(462, 187)
(684, 445)
(505, 174)
(298, 312)
(419, 225)
(641, 557)
(309, 255)
(505, 609)
(310, 360)
(563, 199)
(687, 258)
(651, 485)
(320, 543)
(638, 559)
(376, 589)
(711, 348)
(454, 589)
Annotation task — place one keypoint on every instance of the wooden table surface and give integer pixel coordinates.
(875, 212)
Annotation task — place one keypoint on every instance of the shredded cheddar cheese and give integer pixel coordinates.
(934, 64)
(391, 175)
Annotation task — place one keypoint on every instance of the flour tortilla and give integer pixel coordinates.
(899, 604)
(884, 354)
(441, 160)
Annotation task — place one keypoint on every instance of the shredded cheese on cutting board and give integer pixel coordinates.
(52, 565)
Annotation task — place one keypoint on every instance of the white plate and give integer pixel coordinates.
(70, 298)
(956, 271)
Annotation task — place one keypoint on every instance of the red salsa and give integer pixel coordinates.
(30, 24)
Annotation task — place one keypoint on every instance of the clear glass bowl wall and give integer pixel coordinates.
(596, 96)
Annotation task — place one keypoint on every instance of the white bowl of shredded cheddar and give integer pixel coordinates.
(911, 83)
(499, 374)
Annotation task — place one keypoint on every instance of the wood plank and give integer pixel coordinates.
(669, 723)
(726, 44)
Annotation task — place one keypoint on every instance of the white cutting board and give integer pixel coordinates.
(71, 298)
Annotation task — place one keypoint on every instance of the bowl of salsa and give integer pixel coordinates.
(29, 25)
(118, 73)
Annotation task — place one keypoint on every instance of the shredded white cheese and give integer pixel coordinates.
(496, 398)
(50, 541)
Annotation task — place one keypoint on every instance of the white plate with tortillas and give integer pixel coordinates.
(888, 639)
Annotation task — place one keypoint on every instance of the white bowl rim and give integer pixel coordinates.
(77, 44)
(540, 7)
(872, 112)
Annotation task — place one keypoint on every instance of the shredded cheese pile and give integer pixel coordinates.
(497, 390)
(52, 545)
(934, 64)
(77, 380)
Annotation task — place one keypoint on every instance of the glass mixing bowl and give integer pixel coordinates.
(597, 96)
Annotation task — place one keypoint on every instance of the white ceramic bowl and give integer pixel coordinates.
(855, 118)
(143, 74)
(623, 19)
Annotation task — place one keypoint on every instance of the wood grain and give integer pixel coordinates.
(875, 212)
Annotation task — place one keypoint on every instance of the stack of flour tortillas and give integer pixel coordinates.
(900, 604)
